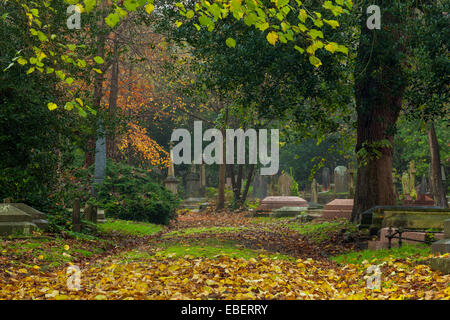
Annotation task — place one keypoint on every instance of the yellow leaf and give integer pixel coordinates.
(149, 8)
(66, 247)
(272, 37)
(52, 106)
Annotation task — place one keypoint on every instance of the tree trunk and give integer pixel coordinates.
(379, 88)
(113, 95)
(247, 184)
(221, 187)
(439, 196)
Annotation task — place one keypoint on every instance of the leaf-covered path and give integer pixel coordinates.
(228, 258)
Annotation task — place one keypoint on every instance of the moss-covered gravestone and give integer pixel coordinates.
(15, 221)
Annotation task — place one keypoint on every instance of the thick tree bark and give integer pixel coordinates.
(379, 88)
(439, 195)
(113, 96)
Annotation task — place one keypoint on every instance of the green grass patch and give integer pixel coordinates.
(415, 252)
(208, 248)
(131, 227)
(319, 232)
(48, 253)
(212, 230)
(259, 220)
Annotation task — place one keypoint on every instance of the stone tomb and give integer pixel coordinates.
(338, 208)
(20, 218)
(269, 204)
(442, 246)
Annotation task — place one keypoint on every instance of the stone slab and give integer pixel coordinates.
(440, 264)
(9, 213)
(338, 208)
(447, 229)
(269, 204)
(11, 228)
(441, 246)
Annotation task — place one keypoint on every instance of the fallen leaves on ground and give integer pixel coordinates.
(164, 277)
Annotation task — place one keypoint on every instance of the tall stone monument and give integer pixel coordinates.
(341, 179)
(171, 183)
(326, 179)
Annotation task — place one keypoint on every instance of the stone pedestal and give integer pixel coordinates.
(171, 184)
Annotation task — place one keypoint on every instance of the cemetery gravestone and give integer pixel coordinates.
(284, 184)
(341, 179)
(326, 179)
(171, 183)
(15, 221)
(260, 187)
(192, 184)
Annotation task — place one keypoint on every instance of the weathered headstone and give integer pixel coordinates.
(423, 185)
(260, 187)
(284, 184)
(90, 213)
(192, 183)
(326, 179)
(341, 179)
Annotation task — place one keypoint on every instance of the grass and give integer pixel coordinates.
(414, 252)
(319, 232)
(130, 227)
(47, 253)
(211, 248)
(270, 219)
(192, 231)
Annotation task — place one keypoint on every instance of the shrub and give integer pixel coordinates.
(128, 193)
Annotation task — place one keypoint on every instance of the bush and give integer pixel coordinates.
(128, 193)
